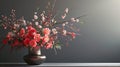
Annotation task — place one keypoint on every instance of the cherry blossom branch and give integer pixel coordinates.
(68, 20)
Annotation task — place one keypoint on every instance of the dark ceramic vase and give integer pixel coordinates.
(34, 56)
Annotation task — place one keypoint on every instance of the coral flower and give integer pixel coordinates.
(46, 31)
(33, 43)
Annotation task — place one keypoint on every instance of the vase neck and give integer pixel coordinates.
(34, 51)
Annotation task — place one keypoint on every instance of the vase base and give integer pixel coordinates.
(34, 60)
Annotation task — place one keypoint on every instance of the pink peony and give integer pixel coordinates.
(45, 39)
(37, 37)
(46, 31)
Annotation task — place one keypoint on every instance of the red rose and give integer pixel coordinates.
(26, 41)
(33, 43)
(46, 31)
(31, 31)
(31, 28)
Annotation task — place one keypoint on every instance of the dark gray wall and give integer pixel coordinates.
(100, 34)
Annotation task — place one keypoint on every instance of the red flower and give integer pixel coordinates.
(5, 41)
(31, 32)
(33, 43)
(9, 35)
(16, 43)
(46, 31)
(31, 28)
(26, 41)
(73, 35)
(22, 32)
(49, 45)
(37, 37)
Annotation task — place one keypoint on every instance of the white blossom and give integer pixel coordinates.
(66, 10)
(63, 24)
(39, 26)
(77, 20)
(73, 19)
(54, 31)
(36, 23)
(64, 32)
(35, 12)
(35, 17)
(66, 22)
(43, 18)
(63, 16)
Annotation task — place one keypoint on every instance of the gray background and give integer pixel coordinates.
(100, 34)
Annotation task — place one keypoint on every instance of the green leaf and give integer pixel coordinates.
(58, 47)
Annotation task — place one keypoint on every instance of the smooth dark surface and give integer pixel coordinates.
(99, 40)
(62, 65)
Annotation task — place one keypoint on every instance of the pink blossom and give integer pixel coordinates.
(73, 35)
(63, 16)
(35, 17)
(46, 31)
(37, 37)
(63, 24)
(45, 39)
(54, 31)
(66, 10)
(49, 45)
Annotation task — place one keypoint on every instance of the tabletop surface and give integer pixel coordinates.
(61, 65)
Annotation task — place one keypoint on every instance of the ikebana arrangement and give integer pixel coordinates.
(43, 31)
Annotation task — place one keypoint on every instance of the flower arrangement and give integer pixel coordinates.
(44, 30)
